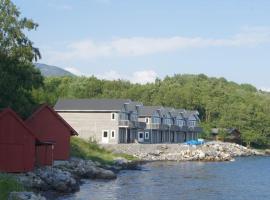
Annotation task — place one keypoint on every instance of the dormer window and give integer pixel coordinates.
(147, 120)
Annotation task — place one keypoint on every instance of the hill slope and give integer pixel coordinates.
(221, 103)
(49, 70)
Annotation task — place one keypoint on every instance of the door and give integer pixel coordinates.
(140, 136)
(105, 137)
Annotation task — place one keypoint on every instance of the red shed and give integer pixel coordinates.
(17, 144)
(51, 127)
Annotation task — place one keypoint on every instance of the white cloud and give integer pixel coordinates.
(139, 46)
(110, 75)
(74, 70)
(266, 89)
(141, 77)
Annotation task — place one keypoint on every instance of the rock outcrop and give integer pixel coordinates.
(211, 151)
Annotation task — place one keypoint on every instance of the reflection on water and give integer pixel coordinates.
(246, 178)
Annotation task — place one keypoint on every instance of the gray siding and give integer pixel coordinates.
(91, 125)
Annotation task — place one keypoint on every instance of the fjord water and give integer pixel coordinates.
(245, 178)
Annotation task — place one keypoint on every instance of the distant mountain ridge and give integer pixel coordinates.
(49, 70)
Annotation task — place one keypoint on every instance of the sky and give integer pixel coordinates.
(140, 40)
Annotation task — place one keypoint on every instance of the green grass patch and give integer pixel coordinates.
(8, 183)
(90, 150)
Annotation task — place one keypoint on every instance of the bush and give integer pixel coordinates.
(8, 184)
(92, 151)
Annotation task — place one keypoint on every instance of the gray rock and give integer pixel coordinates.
(57, 179)
(25, 196)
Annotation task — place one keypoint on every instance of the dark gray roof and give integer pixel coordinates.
(90, 104)
(189, 113)
(147, 111)
(132, 106)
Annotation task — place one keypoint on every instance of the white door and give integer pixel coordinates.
(105, 136)
(140, 136)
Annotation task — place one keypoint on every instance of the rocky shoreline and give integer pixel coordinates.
(210, 151)
(65, 177)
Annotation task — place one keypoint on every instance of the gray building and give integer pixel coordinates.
(102, 120)
(168, 125)
(124, 121)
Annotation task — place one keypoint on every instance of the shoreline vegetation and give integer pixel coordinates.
(93, 161)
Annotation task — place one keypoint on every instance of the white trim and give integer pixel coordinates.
(146, 134)
(105, 139)
(139, 138)
(113, 131)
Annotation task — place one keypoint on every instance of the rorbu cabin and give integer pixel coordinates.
(49, 127)
(17, 144)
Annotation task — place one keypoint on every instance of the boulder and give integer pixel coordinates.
(57, 179)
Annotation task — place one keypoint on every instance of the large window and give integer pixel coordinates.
(155, 120)
(179, 122)
(192, 123)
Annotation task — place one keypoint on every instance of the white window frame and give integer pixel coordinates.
(140, 135)
(113, 136)
(113, 114)
(146, 134)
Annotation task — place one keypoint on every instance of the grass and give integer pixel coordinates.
(9, 184)
(90, 150)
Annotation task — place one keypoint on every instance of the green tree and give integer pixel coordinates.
(17, 73)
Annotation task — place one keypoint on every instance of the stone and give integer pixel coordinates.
(25, 196)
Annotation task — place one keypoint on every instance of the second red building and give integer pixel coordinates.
(50, 127)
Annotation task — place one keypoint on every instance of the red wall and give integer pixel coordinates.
(17, 146)
(48, 127)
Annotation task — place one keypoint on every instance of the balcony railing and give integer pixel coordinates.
(131, 124)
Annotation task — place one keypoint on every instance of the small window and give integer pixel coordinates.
(105, 134)
(141, 135)
(113, 116)
(112, 134)
(146, 135)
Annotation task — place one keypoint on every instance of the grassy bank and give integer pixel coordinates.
(8, 184)
(88, 150)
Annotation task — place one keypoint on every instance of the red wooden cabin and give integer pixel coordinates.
(51, 127)
(17, 144)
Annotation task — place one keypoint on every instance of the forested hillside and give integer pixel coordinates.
(221, 103)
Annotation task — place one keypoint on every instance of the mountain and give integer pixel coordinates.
(49, 70)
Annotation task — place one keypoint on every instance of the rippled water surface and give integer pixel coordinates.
(246, 178)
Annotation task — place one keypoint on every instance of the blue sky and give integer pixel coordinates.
(139, 40)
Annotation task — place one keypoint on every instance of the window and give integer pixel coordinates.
(113, 116)
(192, 123)
(147, 120)
(141, 135)
(146, 135)
(113, 134)
(105, 134)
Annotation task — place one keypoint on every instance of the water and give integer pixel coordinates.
(246, 178)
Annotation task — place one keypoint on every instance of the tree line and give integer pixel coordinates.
(221, 103)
